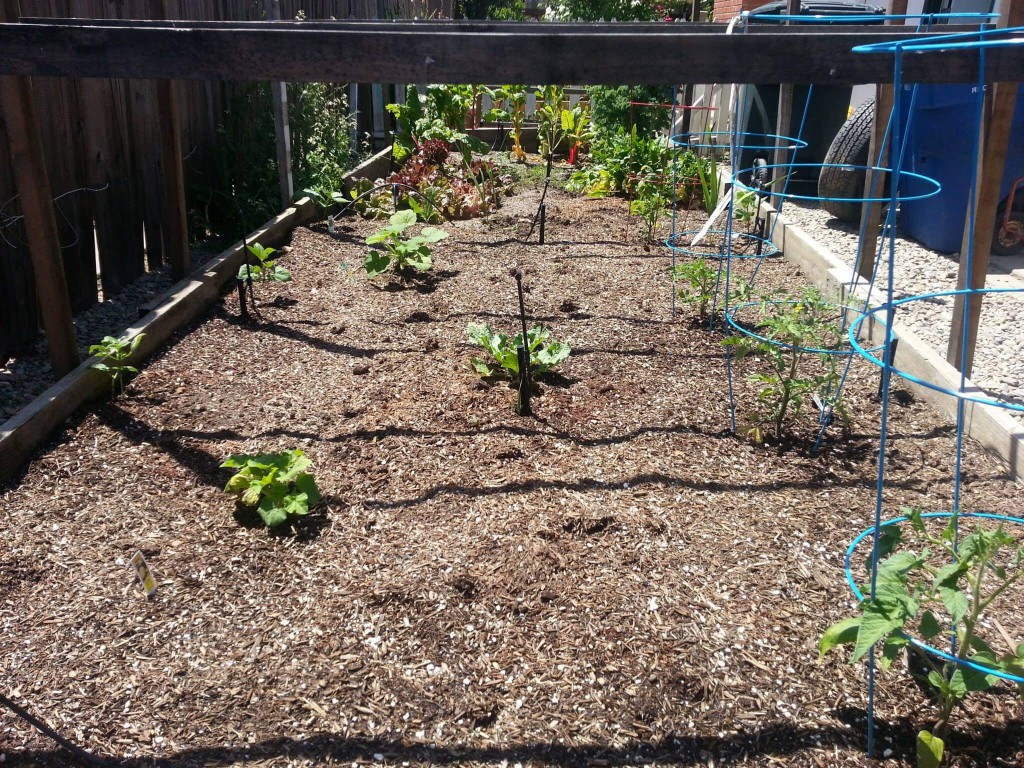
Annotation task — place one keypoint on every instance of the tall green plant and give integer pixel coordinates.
(709, 183)
(549, 119)
(114, 354)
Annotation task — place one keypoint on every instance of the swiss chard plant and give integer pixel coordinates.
(545, 354)
(512, 109)
(277, 485)
(699, 280)
(265, 269)
(796, 338)
(549, 119)
(937, 588)
(404, 252)
(113, 354)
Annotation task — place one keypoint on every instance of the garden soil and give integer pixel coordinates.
(618, 580)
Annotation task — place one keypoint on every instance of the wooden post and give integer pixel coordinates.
(871, 213)
(279, 94)
(782, 119)
(995, 134)
(175, 224)
(19, 115)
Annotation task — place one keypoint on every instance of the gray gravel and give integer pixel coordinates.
(999, 359)
(26, 377)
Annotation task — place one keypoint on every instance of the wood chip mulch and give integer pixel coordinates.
(618, 581)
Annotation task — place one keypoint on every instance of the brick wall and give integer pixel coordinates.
(726, 9)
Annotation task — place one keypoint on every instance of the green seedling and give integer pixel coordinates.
(277, 485)
(699, 279)
(405, 252)
(113, 353)
(265, 270)
(544, 354)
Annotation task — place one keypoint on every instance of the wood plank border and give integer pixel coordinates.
(27, 430)
(402, 52)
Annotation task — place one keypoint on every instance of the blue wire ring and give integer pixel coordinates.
(866, 353)
(862, 17)
(680, 140)
(781, 344)
(958, 41)
(924, 646)
(768, 247)
(935, 187)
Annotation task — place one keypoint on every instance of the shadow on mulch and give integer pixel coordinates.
(421, 282)
(303, 530)
(774, 740)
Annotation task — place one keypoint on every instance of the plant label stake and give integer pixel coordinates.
(145, 575)
(523, 351)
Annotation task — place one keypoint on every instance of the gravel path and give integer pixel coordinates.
(999, 360)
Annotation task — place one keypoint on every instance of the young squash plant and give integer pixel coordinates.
(113, 353)
(265, 269)
(400, 250)
(938, 588)
(277, 485)
(544, 353)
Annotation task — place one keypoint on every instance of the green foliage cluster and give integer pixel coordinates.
(277, 485)
(397, 249)
(605, 10)
(544, 353)
(235, 188)
(265, 269)
(510, 107)
(440, 113)
(617, 162)
(610, 107)
(794, 374)
(499, 10)
(114, 353)
(940, 593)
(649, 205)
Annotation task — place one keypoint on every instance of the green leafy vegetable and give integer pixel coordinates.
(405, 252)
(265, 269)
(113, 353)
(277, 485)
(544, 354)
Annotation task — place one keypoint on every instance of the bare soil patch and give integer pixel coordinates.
(616, 581)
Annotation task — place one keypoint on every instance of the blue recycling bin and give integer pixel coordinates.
(940, 145)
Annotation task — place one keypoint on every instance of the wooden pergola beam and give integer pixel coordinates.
(402, 52)
(19, 115)
(995, 137)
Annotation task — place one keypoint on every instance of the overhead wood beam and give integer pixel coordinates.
(615, 54)
(19, 115)
(995, 137)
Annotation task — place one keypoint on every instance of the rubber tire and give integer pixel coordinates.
(1009, 249)
(849, 147)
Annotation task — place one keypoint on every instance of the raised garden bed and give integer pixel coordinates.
(616, 581)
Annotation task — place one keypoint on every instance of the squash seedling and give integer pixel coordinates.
(405, 252)
(276, 485)
(114, 352)
(265, 270)
(544, 354)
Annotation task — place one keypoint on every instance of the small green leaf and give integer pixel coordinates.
(376, 263)
(840, 633)
(481, 367)
(891, 649)
(955, 602)
(929, 750)
(875, 625)
(929, 625)
(402, 220)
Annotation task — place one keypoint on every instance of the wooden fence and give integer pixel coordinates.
(102, 151)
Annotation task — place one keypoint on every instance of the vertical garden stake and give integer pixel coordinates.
(543, 218)
(523, 351)
(890, 357)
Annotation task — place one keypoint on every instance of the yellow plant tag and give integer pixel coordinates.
(145, 575)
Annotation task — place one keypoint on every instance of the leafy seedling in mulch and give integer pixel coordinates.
(276, 485)
(544, 353)
(403, 252)
(649, 205)
(265, 269)
(113, 353)
(791, 332)
(699, 280)
(937, 586)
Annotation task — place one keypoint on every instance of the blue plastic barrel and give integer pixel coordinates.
(940, 145)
